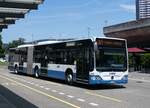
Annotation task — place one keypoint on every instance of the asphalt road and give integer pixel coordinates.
(22, 91)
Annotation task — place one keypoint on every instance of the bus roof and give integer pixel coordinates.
(25, 45)
(53, 42)
(108, 38)
(48, 42)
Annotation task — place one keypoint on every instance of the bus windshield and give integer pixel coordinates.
(111, 55)
(111, 59)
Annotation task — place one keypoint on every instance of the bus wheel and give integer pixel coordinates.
(36, 73)
(16, 70)
(69, 78)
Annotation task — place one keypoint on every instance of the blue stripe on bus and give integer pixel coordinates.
(56, 74)
(109, 81)
(59, 75)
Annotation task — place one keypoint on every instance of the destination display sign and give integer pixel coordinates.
(110, 43)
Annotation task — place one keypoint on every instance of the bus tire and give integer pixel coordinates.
(16, 69)
(36, 72)
(69, 77)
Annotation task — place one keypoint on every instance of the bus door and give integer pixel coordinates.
(30, 60)
(21, 58)
(82, 65)
(20, 63)
(44, 64)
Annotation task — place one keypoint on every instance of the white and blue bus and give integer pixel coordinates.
(88, 61)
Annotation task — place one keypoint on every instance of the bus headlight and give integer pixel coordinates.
(93, 78)
(96, 77)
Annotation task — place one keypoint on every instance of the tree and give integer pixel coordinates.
(146, 60)
(17, 42)
(1, 47)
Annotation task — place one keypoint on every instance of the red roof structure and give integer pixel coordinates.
(135, 50)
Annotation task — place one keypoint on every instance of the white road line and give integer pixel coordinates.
(61, 93)
(47, 88)
(28, 82)
(40, 92)
(93, 104)
(42, 86)
(36, 85)
(54, 91)
(5, 84)
(70, 96)
(81, 100)
(32, 83)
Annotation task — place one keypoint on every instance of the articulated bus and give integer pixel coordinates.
(87, 61)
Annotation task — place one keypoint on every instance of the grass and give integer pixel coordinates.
(3, 63)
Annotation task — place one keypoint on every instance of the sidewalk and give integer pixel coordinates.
(4, 103)
(9, 99)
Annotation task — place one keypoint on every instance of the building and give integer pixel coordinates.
(136, 32)
(142, 9)
(12, 10)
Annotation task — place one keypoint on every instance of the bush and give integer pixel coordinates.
(146, 60)
(131, 61)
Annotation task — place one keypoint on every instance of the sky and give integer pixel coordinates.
(57, 19)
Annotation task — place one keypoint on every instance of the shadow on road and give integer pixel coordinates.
(85, 86)
(15, 101)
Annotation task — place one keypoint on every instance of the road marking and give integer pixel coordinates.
(61, 93)
(70, 96)
(47, 88)
(32, 83)
(93, 104)
(54, 91)
(36, 85)
(139, 80)
(42, 86)
(105, 97)
(81, 100)
(5, 84)
(52, 83)
(40, 92)
(28, 82)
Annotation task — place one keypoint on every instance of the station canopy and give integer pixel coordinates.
(137, 32)
(135, 50)
(12, 10)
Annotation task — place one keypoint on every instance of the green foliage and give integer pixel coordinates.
(1, 47)
(3, 63)
(146, 60)
(131, 62)
(15, 43)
